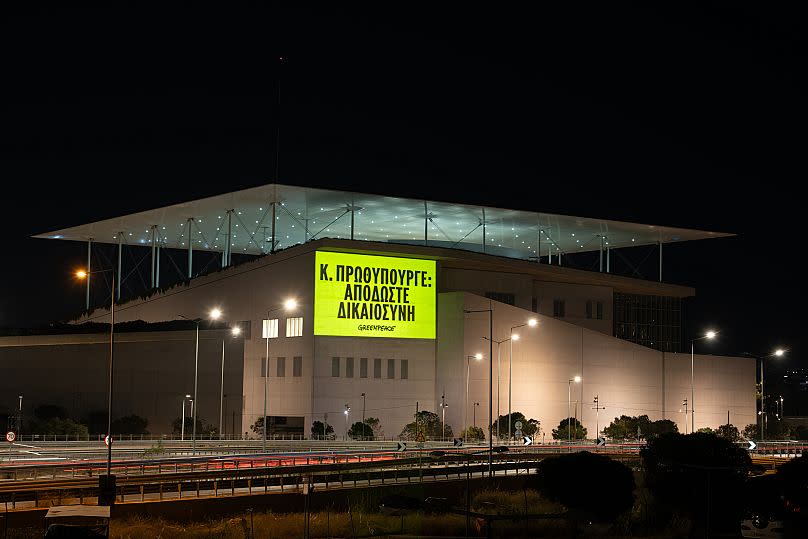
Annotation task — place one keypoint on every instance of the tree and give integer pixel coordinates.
(202, 428)
(700, 475)
(131, 424)
(729, 431)
(360, 430)
(706, 430)
(529, 426)
(96, 421)
(429, 424)
(317, 431)
(662, 426)
(473, 434)
(575, 429)
(45, 412)
(375, 426)
(751, 432)
(567, 479)
(68, 427)
(633, 427)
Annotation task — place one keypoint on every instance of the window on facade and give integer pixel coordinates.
(263, 367)
(294, 327)
(297, 366)
(589, 308)
(348, 367)
(559, 308)
(335, 367)
(280, 367)
(391, 369)
(501, 297)
(600, 310)
(405, 369)
(270, 329)
(534, 305)
(363, 367)
(377, 367)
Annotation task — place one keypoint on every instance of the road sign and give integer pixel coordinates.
(402, 446)
(601, 442)
(752, 445)
(107, 440)
(420, 438)
(11, 436)
(517, 434)
(518, 425)
(458, 442)
(527, 440)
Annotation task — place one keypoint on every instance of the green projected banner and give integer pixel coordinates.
(374, 296)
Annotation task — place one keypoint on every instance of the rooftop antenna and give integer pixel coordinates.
(281, 60)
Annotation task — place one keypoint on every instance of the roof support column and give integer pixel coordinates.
(550, 254)
(89, 269)
(156, 270)
(226, 258)
(608, 255)
(153, 252)
(558, 255)
(426, 220)
(119, 274)
(601, 254)
(272, 236)
(538, 247)
(190, 248)
(353, 210)
(660, 261)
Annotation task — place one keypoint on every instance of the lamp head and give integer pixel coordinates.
(290, 304)
(779, 352)
(215, 314)
(532, 322)
(81, 274)
(577, 379)
(478, 356)
(187, 396)
(236, 331)
(711, 334)
(515, 336)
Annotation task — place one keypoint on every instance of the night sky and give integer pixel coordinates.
(693, 118)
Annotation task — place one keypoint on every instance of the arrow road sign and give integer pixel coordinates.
(11, 436)
(752, 445)
(402, 446)
(601, 442)
(527, 440)
(458, 442)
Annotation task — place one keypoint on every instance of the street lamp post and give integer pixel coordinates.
(443, 406)
(779, 352)
(363, 415)
(577, 380)
(214, 315)
(466, 407)
(346, 412)
(235, 332)
(288, 305)
(490, 385)
(182, 426)
(532, 323)
(708, 335)
(684, 403)
(476, 404)
(81, 274)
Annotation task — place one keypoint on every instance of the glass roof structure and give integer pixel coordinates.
(245, 220)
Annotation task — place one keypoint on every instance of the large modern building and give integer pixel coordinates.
(395, 300)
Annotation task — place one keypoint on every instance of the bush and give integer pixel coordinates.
(473, 434)
(429, 424)
(599, 487)
(65, 427)
(575, 429)
(317, 431)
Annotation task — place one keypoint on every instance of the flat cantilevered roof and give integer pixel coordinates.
(303, 214)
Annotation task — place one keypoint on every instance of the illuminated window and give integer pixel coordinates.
(335, 367)
(271, 327)
(391, 369)
(280, 367)
(297, 366)
(405, 369)
(363, 367)
(377, 367)
(348, 367)
(294, 327)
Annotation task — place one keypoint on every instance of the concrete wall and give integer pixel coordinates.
(628, 379)
(153, 372)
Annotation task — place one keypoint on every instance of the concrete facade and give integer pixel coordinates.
(628, 378)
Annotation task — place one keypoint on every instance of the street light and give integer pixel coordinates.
(288, 305)
(514, 337)
(577, 380)
(779, 352)
(478, 357)
(684, 403)
(476, 404)
(214, 314)
(347, 410)
(443, 406)
(83, 274)
(363, 415)
(235, 332)
(708, 335)
(490, 312)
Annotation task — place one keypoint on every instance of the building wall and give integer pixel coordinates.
(628, 378)
(575, 298)
(153, 372)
